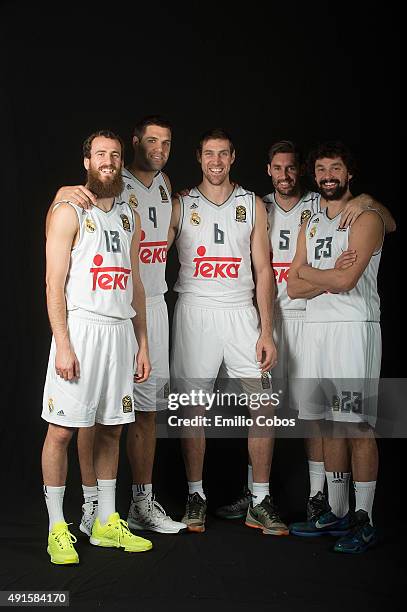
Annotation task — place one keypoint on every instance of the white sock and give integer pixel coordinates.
(106, 499)
(338, 492)
(196, 487)
(90, 494)
(250, 478)
(364, 496)
(260, 490)
(54, 498)
(316, 477)
(141, 490)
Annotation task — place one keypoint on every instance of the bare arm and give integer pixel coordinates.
(77, 194)
(63, 227)
(174, 222)
(359, 204)
(298, 288)
(265, 288)
(143, 367)
(365, 238)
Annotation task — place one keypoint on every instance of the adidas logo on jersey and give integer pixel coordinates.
(193, 205)
(215, 267)
(61, 413)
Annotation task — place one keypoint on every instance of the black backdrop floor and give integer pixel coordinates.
(227, 567)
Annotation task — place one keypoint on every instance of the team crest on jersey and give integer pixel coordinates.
(90, 226)
(127, 403)
(195, 218)
(51, 406)
(126, 222)
(241, 214)
(163, 193)
(193, 206)
(265, 380)
(313, 231)
(133, 200)
(305, 215)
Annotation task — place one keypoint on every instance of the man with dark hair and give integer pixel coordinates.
(93, 290)
(341, 347)
(221, 232)
(288, 207)
(146, 189)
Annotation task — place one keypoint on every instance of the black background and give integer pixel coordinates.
(308, 72)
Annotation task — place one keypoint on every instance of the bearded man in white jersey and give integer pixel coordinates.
(93, 292)
(288, 207)
(220, 232)
(148, 190)
(341, 347)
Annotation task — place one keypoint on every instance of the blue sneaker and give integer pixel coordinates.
(326, 524)
(362, 537)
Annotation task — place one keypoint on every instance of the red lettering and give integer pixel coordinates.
(155, 255)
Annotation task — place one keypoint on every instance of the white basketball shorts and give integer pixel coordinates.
(103, 393)
(152, 395)
(340, 371)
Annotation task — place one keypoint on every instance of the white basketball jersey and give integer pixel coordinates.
(153, 204)
(99, 278)
(213, 245)
(325, 242)
(283, 233)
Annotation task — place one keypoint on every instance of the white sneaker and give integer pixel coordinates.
(146, 513)
(89, 513)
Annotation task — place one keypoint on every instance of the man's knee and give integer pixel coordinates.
(109, 432)
(59, 435)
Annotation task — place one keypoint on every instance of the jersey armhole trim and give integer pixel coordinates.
(181, 217)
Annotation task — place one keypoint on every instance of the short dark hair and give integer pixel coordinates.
(331, 149)
(215, 134)
(285, 146)
(140, 126)
(87, 145)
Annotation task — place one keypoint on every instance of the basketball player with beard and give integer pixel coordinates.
(96, 307)
(341, 347)
(148, 190)
(288, 207)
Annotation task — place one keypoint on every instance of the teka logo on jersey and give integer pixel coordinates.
(281, 271)
(109, 278)
(152, 252)
(216, 267)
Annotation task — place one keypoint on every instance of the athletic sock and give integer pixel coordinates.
(364, 497)
(250, 478)
(54, 499)
(140, 490)
(338, 492)
(106, 499)
(90, 494)
(260, 490)
(316, 477)
(196, 487)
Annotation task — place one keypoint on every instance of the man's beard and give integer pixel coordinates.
(104, 189)
(335, 194)
(289, 191)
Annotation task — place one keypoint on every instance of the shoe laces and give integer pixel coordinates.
(195, 506)
(318, 505)
(65, 537)
(241, 500)
(269, 508)
(158, 512)
(123, 528)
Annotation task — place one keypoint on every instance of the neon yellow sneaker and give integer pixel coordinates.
(60, 545)
(116, 533)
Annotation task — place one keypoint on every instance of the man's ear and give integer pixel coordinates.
(232, 158)
(269, 169)
(86, 162)
(198, 157)
(135, 141)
